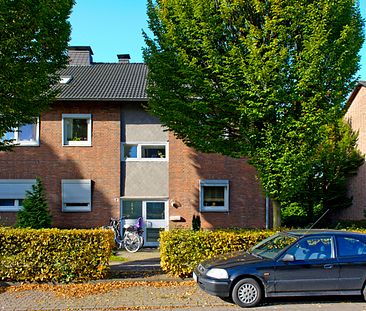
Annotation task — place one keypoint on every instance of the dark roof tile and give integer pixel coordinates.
(101, 81)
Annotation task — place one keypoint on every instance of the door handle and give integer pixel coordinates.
(328, 266)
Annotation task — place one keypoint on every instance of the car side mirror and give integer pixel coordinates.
(288, 258)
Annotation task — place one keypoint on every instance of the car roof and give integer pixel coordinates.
(307, 232)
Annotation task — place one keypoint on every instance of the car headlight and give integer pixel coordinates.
(217, 273)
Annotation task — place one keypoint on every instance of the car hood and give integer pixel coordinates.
(232, 259)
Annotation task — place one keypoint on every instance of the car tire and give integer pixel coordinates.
(247, 293)
(364, 292)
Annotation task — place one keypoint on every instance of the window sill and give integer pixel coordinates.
(214, 210)
(145, 160)
(77, 145)
(76, 210)
(29, 144)
(10, 209)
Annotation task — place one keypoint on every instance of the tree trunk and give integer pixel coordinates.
(276, 206)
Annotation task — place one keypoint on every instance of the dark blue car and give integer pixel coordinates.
(296, 263)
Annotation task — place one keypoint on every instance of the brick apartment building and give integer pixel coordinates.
(101, 155)
(356, 115)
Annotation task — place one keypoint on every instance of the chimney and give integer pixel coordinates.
(80, 55)
(123, 58)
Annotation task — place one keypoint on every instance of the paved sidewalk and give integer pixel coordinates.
(140, 265)
(139, 284)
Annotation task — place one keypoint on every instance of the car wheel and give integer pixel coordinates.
(247, 293)
(364, 292)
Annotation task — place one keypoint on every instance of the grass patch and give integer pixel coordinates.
(117, 258)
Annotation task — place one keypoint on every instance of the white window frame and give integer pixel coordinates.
(26, 143)
(87, 196)
(214, 183)
(16, 195)
(70, 143)
(139, 151)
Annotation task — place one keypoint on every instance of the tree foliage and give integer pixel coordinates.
(33, 41)
(253, 78)
(34, 213)
(335, 160)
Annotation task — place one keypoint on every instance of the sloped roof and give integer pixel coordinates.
(104, 81)
(354, 93)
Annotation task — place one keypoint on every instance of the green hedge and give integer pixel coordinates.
(181, 250)
(54, 254)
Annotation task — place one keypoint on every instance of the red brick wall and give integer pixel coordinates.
(356, 115)
(54, 162)
(187, 168)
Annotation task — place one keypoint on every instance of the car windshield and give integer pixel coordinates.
(274, 245)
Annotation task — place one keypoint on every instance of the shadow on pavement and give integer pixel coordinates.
(138, 265)
(310, 300)
(3, 287)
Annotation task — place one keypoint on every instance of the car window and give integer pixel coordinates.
(273, 246)
(312, 248)
(350, 246)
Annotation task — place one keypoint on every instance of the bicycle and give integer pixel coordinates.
(132, 239)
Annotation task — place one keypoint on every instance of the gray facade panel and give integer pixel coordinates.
(139, 126)
(146, 179)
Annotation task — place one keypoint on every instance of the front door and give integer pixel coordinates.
(154, 214)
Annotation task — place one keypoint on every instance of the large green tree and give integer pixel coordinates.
(253, 78)
(33, 41)
(335, 160)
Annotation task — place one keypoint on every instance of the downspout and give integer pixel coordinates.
(267, 212)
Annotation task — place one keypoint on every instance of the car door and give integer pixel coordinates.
(351, 253)
(314, 268)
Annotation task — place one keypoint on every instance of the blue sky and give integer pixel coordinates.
(114, 27)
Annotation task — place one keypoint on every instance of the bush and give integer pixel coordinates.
(54, 254)
(181, 250)
(34, 213)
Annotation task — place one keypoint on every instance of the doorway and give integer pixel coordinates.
(153, 212)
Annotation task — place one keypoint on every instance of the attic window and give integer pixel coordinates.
(65, 79)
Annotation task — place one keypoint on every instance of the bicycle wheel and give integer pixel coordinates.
(131, 242)
(141, 241)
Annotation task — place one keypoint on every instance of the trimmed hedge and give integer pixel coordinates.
(54, 254)
(181, 250)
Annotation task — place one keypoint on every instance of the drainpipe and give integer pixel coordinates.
(267, 212)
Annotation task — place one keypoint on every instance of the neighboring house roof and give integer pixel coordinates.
(104, 81)
(354, 93)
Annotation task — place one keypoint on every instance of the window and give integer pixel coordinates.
(313, 248)
(349, 247)
(214, 195)
(25, 135)
(65, 79)
(155, 210)
(153, 152)
(132, 209)
(76, 195)
(76, 129)
(12, 193)
(144, 152)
